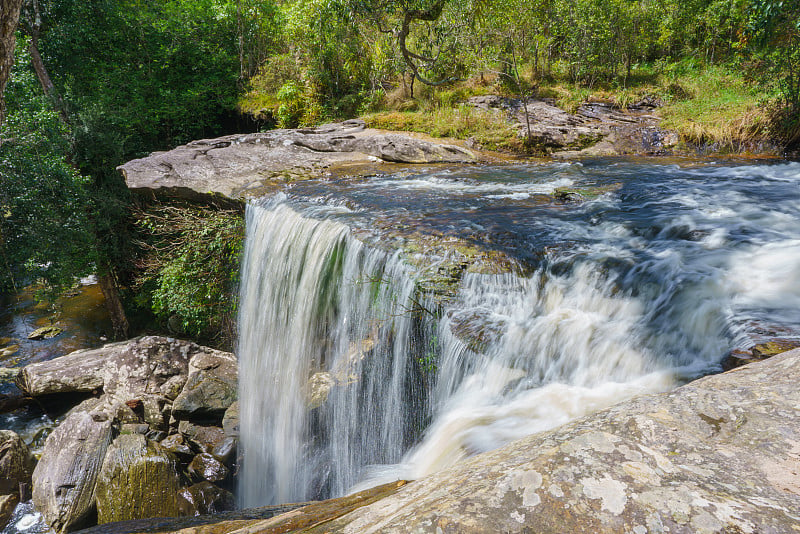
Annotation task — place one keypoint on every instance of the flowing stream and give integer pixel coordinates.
(374, 346)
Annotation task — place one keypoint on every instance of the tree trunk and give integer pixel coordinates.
(9, 17)
(108, 284)
(39, 68)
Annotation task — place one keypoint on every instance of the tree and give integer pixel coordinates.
(772, 37)
(9, 17)
(429, 50)
(45, 231)
(773, 33)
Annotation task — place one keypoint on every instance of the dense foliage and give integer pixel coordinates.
(128, 77)
(338, 58)
(45, 223)
(188, 269)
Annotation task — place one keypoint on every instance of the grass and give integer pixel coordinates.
(719, 107)
(490, 129)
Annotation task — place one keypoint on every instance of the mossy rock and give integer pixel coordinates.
(771, 348)
(45, 332)
(581, 194)
(138, 479)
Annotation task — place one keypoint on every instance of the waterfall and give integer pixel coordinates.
(328, 333)
(334, 352)
(352, 374)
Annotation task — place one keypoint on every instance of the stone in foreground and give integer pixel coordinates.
(721, 454)
(64, 478)
(138, 480)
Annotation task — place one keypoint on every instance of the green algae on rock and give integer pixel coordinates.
(138, 479)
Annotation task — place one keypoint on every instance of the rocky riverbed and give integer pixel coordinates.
(155, 435)
(720, 454)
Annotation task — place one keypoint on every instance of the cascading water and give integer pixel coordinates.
(347, 378)
(327, 333)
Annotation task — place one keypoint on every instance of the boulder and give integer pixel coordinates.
(225, 450)
(759, 351)
(175, 444)
(10, 350)
(150, 369)
(206, 498)
(64, 479)
(15, 469)
(595, 129)
(45, 332)
(201, 437)
(138, 479)
(230, 421)
(721, 454)
(210, 389)
(238, 166)
(205, 467)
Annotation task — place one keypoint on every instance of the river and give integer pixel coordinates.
(375, 346)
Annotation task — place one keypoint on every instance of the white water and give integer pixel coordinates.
(613, 315)
(316, 300)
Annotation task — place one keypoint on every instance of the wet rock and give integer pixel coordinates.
(210, 389)
(230, 421)
(203, 438)
(758, 352)
(581, 194)
(238, 166)
(176, 445)
(15, 468)
(217, 523)
(312, 517)
(771, 348)
(206, 498)
(45, 332)
(138, 480)
(319, 387)
(566, 195)
(10, 350)
(205, 467)
(8, 375)
(225, 451)
(7, 505)
(721, 454)
(64, 479)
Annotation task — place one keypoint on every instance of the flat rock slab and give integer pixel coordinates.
(721, 454)
(239, 166)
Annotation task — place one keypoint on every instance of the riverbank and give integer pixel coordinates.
(712, 113)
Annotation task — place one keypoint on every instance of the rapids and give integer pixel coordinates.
(355, 369)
